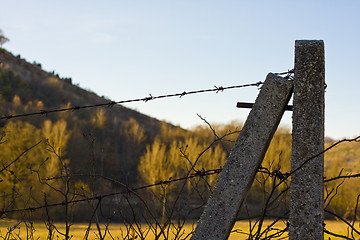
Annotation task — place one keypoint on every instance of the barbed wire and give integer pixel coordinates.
(288, 75)
(145, 99)
(200, 173)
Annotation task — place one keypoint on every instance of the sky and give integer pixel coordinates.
(130, 49)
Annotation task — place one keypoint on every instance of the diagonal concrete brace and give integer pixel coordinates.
(238, 173)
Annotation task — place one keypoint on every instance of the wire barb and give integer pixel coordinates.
(289, 74)
(219, 89)
(183, 94)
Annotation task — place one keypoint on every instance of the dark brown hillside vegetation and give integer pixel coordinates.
(114, 138)
(95, 143)
(55, 92)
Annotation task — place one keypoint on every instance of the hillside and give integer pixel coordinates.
(55, 92)
(98, 150)
(115, 136)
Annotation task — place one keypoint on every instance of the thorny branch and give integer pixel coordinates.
(97, 197)
(343, 220)
(5, 167)
(356, 139)
(214, 132)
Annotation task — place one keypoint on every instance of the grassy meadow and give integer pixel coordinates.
(118, 231)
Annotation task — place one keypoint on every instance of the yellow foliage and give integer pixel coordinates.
(99, 120)
(134, 131)
(18, 178)
(26, 171)
(56, 133)
(16, 101)
(54, 82)
(344, 159)
(57, 137)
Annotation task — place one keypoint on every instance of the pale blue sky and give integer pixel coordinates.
(130, 49)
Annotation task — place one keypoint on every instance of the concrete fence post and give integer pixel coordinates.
(241, 166)
(306, 189)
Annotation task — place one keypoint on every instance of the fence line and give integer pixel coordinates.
(145, 99)
(281, 177)
(198, 173)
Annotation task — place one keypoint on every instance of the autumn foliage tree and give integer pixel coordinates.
(3, 39)
(27, 162)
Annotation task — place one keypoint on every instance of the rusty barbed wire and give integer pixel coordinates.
(199, 173)
(145, 99)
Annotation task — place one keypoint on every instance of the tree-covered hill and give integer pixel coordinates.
(114, 136)
(100, 150)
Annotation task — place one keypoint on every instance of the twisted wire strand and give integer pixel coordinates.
(145, 99)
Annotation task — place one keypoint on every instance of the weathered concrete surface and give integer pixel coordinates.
(239, 170)
(306, 189)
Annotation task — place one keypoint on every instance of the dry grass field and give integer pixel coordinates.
(118, 231)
